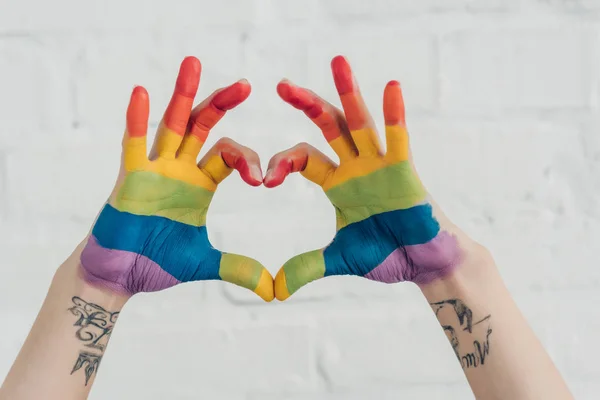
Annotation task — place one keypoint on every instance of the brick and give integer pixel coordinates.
(487, 73)
(35, 90)
(384, 352)
(377, 56)
(254, 357)
(110, 65)
(55, 183)
(404, 9)
(122, 15)
(432, 391)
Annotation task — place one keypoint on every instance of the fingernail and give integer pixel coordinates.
(255, 172)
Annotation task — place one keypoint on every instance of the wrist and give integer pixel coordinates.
(70, 280)
(475, 272)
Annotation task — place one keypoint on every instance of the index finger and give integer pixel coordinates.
(359, 120)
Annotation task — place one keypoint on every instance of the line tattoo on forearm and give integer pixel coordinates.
(479, 328)
(95, 324)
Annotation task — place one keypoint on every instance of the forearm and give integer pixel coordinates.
(498, 351)
(60, 357)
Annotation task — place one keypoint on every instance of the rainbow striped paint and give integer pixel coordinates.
(151, 234)
(386, 229)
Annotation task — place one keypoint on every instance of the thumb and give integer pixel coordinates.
(248, 273)
(299, 271)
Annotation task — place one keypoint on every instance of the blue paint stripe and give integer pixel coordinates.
(181, 250)
(359, 247)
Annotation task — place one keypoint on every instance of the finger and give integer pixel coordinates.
(303, 158)
(134, 140)
(328, 118)
(395, 124)
(206, 115)
(299, 271)
(227, 155)
(359, 121)
(248, 273)
(175, 120)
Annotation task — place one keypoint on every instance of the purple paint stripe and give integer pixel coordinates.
(123, 271)
(420, 263)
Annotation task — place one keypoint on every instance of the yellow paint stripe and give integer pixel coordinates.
(168, 142)
(397, 143)
(342, 148)
(281, 290)
(134, 152)
(353, 169)
(190, 148)
(181, 170)
(265, 287)
(366, 141)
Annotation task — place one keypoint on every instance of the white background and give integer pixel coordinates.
(502, 105)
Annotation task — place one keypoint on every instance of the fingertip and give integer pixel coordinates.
(255, 177)
(283, 88)
(138, 112)
(232, 95)
(189, 77)
(393, 104)
(342, 75)
(265, 288)
(139, 91)
(281, 290)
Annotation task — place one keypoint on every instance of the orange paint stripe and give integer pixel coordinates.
(138, 112)
(328, 125)
(393, 104)
(178, 112)
(355, 113)
(204, 120)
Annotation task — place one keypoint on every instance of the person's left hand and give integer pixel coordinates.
(151, 234)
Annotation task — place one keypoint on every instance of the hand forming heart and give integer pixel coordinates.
(151, 234)
(386, 229)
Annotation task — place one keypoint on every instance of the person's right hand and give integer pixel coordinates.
(386, 229)
(151, 234)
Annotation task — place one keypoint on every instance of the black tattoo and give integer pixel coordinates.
(481, 347)
(95, 326)
(91, 362)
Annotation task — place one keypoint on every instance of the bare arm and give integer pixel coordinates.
(497, 350)
(63, 351)
(149, 236)
(389, 229)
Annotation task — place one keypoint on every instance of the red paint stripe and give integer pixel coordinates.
(232, 96)
(313, 107)
(342, 75)
(234, 158)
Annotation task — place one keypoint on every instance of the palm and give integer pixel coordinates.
(386, 230)
(152, 233)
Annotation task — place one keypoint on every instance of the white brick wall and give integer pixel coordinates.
(503, 101)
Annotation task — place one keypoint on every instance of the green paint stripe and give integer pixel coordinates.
(392, 188)
(240, 270)
(304, 268)
(148, 193)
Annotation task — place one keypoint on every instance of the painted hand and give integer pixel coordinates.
(386, 229)
(151, 234)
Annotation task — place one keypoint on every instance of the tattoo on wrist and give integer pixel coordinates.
(469, 329)
(95, 324)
